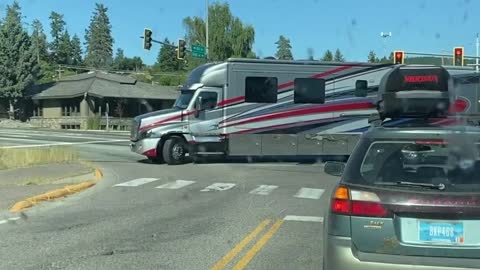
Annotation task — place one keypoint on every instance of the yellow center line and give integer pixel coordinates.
(238, 248)
(256, 248)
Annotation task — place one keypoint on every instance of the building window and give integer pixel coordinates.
(70, 108)
(261, 89)
(37, 111)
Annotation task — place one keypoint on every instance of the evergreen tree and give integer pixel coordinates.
(57, 25)
(18, 60)
(284, 49)
(98, 38)
(119, 61)
(65, 50)
(39, 41)
(372, 57)
(76, 50)
(167, 58)
(328, 56)
(338, 56)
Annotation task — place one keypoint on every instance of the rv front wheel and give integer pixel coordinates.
(174, 151)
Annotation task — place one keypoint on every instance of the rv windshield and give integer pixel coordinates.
(183, 100)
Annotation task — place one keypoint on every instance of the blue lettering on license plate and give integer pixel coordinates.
(441, 232)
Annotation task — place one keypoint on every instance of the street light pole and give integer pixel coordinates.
(206, 28)
(385, 35)
(476, 60)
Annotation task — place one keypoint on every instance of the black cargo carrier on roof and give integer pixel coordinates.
(414, 92)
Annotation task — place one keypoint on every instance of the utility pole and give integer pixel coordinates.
(206, 28)
(476, 60)
(385, 35)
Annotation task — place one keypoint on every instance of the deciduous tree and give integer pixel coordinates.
(228, 36)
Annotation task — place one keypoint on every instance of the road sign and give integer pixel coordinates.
(198, 51)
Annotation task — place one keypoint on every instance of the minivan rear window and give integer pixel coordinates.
(421, 162)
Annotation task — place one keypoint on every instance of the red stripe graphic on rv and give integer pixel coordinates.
(158, 123)
(285, 85)
(311, 110)
(284, 125)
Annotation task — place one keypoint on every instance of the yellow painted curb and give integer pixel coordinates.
(57, 193)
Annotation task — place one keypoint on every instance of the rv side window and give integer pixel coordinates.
(209, 100)
(261, 89)
(309, 90)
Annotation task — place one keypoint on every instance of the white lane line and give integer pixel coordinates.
(177, 184)
(137, 182)
(219, 187)
(263, 190)
(309, 193)
(60, 143)
(303, 218)
(19, 139)
(63, 135)
(14, 218)
(75, 136)
(8, 136)
(3, 221)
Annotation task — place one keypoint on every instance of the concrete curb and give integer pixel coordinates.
(57, 193)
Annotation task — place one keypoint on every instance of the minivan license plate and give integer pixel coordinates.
(441, 232)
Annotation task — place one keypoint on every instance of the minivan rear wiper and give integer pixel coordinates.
(412, 184)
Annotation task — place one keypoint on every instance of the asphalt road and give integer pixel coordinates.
(196, 216)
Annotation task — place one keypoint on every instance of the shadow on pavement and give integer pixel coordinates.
(257, 160)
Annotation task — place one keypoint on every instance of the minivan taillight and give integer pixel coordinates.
(346, 201)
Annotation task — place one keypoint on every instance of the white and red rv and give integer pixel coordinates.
(251, 107)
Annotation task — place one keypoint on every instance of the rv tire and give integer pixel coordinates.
(174, 150)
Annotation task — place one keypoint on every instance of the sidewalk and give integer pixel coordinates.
(18, 184)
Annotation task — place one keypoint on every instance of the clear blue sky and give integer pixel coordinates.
(354, 26)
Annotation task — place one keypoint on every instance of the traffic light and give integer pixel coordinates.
(147, 39)
(398, 57)
(458, 56)
(181, 49)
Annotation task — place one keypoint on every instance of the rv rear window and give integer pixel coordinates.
(261, 89)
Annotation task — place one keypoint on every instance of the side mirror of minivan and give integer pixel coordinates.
(334, 168)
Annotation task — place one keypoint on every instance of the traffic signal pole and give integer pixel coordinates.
(163, 43)
(206, 29)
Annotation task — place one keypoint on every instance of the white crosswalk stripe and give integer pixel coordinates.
(263, 190)
(177, 184)
(219, 187)
(137, 182)
(309, 193)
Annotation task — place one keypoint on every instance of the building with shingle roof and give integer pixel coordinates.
(71, 101)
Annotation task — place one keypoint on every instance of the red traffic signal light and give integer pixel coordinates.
(458, 56)
(398, 57)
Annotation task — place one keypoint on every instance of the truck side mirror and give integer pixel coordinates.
(361, 88)
(198, 106)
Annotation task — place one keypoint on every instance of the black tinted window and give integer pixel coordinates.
(422, 162)
(209, 100)
(261, 89)
(309, 90)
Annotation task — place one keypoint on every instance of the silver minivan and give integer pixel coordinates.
(408, 198)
